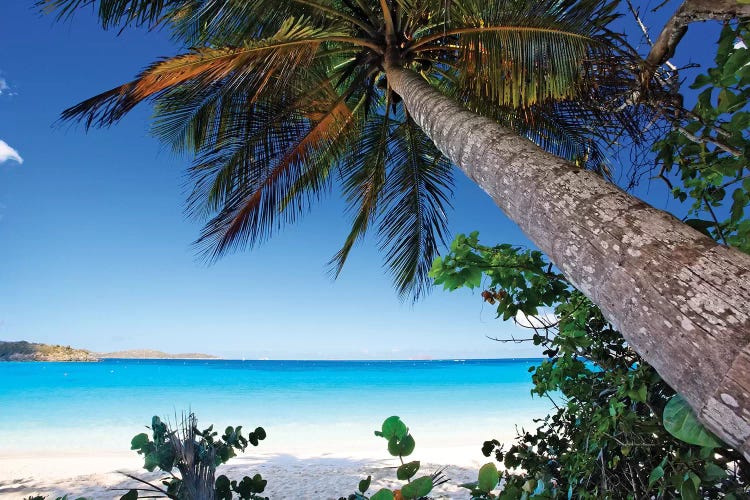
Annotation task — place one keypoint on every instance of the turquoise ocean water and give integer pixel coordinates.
(99, 406)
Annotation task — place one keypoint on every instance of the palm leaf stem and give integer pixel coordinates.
(488, 29)
(437, 47)
(390, 28)
(362, 42)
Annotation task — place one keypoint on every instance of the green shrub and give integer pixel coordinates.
(194, 454)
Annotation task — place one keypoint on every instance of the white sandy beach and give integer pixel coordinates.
(299, 461)
(298, 476)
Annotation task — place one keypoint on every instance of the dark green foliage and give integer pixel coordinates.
(195, 454)
(248, 488)
(364, 484)
(607, 437)
(709, 147)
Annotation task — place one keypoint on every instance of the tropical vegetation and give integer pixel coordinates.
(618, 430)
(194, 454)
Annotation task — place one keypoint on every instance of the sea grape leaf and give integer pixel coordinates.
(418, 488)
(393, 427)
(130, 495)
(384, 494)
(680, 421)
(701, 225)
(364, 484)
(488, 477)
(139, 441)
(223, 488)
(407, 470)
(401, 447)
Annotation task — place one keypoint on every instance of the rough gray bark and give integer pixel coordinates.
(681, 300)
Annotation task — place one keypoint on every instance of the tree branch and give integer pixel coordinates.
(690, 11)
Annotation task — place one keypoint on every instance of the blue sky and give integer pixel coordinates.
(95, 250)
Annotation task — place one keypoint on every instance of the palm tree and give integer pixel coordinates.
(275, 99)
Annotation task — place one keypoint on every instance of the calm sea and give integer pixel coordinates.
(336, 404)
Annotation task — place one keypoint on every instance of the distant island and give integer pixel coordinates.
(30, 351)
(152, 354)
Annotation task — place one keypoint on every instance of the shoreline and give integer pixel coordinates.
(248, 360)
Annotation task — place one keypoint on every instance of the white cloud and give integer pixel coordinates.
(541, 320)
(8, 153)
(5, 88)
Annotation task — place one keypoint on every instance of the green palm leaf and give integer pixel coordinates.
(252, 195)
(364, 176)
(120, 12)
(416, 197)
(259, 66)
(519, 53)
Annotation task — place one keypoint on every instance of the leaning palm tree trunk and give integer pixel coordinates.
(681, 300)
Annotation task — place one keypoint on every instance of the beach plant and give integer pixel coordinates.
(617, 429)
(194, 454)
(277, 99)
(401, 444)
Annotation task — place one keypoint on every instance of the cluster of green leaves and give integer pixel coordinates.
(195, 454)
(400, 444)
(618, 431)
(709, 147)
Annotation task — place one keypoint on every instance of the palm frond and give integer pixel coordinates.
(191, 116)
(272, 97)
(231, 22)
(518, 53)
(416, 196)
(257, 65)
(364, 175)
(113, 13)
(250, 183)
